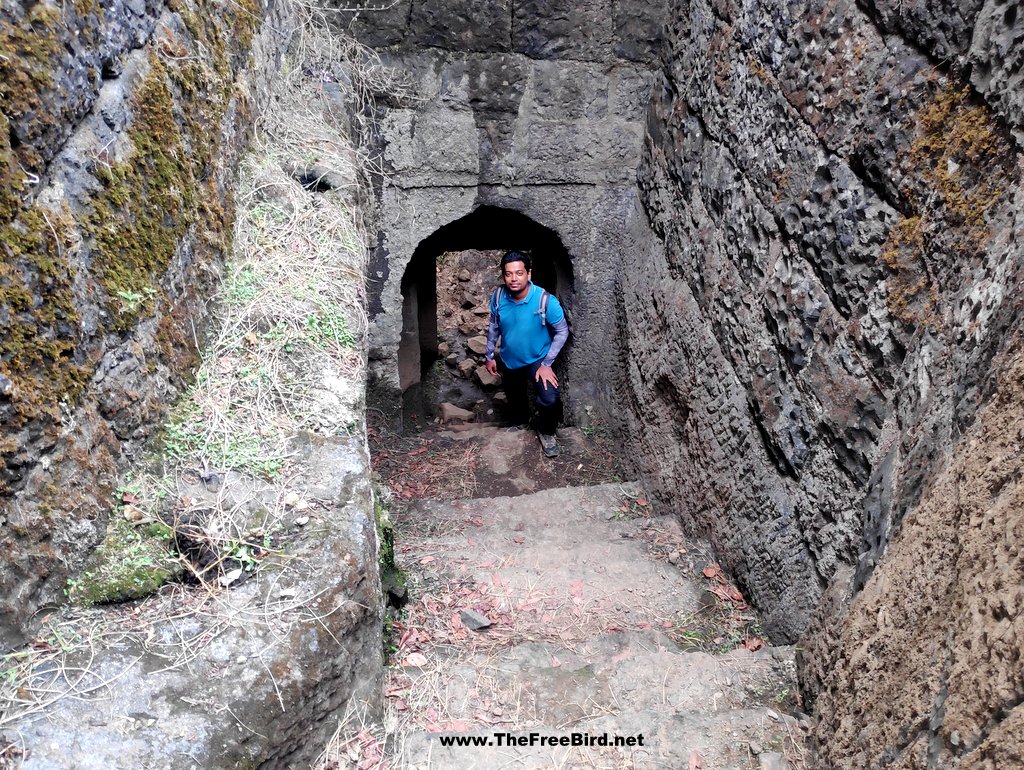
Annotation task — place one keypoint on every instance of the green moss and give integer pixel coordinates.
(11, 176)
(391, 575)
(85, 8)
(962, 157)
(128, 564)
(149, 202)
(29, 55)
(960, 167)
(37, 346)
(145, 205)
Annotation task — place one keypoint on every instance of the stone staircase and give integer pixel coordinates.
(601, 627)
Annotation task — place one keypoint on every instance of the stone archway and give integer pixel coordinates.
(485, 232)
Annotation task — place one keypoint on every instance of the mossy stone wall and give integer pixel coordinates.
(120, 128)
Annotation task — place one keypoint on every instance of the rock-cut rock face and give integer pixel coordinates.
(823, 345)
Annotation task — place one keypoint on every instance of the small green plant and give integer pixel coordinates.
(328, 327)
(181, 439)
(133, 301)
(241, 286)
(245, 554)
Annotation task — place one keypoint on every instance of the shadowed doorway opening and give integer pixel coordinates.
(445, 294)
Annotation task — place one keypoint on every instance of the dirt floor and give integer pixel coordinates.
(487, 461)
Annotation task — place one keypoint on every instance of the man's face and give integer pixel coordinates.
(516, 277)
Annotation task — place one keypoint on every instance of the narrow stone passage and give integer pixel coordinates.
(602, 622)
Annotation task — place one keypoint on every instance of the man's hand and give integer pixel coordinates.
(546, 376)
(492, 367)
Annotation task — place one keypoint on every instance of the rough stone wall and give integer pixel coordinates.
(533, 107)
(120, 124)
(820, 349)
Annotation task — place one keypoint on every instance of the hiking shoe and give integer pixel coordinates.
(548, 444)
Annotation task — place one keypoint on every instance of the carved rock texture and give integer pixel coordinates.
(822, 350)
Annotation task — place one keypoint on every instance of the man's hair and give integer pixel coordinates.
(515, 256)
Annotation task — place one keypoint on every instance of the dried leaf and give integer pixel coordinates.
(712, 571)
(519, 539)
(576, 588)
(131, 513)
(230, 577)
(416, 659)
(753, 643)
(642, 501)
(694, 760)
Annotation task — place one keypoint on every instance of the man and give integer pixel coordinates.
(533, 329)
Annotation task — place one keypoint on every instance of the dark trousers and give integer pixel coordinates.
(517, 383)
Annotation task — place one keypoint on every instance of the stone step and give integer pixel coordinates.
(562, 685)
(741, 738)
(560, 553)
(584, 608)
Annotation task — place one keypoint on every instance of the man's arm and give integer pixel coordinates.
(561, 335)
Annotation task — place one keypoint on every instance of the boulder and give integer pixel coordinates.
(485, 378)
(453, 414)
(477, 344)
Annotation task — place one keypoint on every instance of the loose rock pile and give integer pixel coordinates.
(465, 280)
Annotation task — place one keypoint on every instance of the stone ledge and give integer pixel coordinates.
(286, 651)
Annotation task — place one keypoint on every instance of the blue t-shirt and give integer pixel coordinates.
(524, 339)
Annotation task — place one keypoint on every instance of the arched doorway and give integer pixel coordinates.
(439, 351)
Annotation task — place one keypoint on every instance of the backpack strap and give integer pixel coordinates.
(499, 292)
